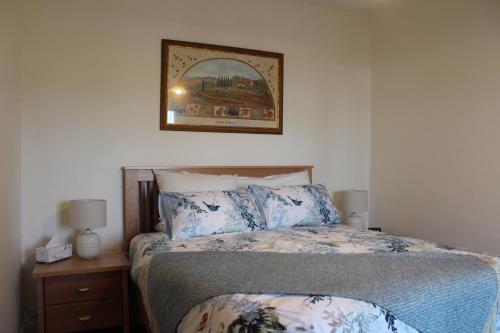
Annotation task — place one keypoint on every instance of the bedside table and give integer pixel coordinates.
(78, 295)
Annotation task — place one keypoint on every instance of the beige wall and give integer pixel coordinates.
(10, 164)
(91, 99)
(90, 88)
(435, 168)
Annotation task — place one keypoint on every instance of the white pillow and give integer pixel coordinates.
(170, 181)
(285, 179)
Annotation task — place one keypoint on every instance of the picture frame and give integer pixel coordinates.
(214, 88)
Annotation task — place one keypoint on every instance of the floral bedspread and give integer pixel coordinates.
(286, 313)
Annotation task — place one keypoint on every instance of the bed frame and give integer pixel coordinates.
(140, 207)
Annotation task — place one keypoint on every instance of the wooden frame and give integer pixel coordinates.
(140, 193)
(225, 52)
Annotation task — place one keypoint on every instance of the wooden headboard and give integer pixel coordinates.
(140, 193)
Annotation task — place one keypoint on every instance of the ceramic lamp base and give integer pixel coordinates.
(88, 244)
(356, 222)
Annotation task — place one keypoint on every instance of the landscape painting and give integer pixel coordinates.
(221, 89)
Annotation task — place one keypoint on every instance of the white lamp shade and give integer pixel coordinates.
(90, 213)
(354, 201)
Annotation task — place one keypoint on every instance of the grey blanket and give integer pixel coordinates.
(430, 292)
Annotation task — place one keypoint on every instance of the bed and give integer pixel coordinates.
(365, 303)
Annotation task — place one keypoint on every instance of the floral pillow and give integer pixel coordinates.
(295, 205)
(192, 214)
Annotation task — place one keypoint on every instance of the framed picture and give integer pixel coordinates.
(214, 88)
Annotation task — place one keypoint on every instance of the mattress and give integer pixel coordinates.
(289, 313)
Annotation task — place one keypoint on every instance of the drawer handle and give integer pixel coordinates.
(83, 290)
(84, 318)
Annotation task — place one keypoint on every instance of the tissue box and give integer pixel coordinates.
(54, 253)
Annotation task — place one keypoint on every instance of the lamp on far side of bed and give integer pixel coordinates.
(86, 215)
(353, 203)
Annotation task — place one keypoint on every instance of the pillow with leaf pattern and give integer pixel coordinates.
(287, 206)
(194, 214)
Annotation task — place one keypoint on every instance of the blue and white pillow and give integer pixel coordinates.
(192, 214)
(288, 206)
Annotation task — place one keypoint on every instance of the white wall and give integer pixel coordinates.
(436, 121)
(10, 164)
(91, 74)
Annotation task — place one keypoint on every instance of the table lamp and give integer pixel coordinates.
(354, 202)
(87, 215)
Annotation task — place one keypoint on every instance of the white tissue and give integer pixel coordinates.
(56, 249)
(55, 241)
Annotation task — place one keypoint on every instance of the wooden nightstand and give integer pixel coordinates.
(78, 295)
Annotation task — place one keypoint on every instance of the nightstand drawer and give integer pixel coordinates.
(84, 287)
(83, 316)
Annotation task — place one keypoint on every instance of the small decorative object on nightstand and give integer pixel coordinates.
(354, 202)
(79, 295)
(86, 215)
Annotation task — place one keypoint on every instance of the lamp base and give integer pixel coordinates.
(88, 244)
(356, 222)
